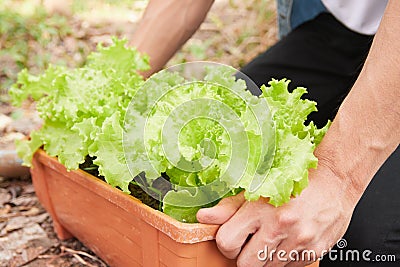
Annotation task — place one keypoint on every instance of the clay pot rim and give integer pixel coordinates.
(178, 231)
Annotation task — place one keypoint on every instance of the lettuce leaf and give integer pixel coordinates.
(295, 143)
(83, 110)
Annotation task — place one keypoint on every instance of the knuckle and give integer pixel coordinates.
(305, 238)
(224, 242)
(287, 219)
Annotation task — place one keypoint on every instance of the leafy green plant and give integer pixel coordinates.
(78, 105)
(105, 110)
(209, 140)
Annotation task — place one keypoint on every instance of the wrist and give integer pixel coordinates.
(342, 153)
(350, 189)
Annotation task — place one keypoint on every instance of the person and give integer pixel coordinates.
(331, 48)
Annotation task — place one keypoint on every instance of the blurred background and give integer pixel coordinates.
(36, 33)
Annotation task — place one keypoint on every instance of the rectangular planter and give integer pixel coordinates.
(116, 226)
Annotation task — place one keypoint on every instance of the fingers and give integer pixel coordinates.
(233, 234)
(222, 212)
(259, 251)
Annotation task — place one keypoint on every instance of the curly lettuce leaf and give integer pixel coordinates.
(295, 143)
(79, 105)
(109, 153)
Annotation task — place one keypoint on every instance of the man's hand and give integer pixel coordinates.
(315, 220)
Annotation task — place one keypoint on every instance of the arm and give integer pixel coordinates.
(363, 135)
(366, 129)
(166, 26)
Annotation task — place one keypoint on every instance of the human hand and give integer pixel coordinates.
(315, 221)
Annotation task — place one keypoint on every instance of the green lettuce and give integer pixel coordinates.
(295, 143)
(209, 139)
(205, 137)
(83, 110)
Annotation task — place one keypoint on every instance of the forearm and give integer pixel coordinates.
(366, 129)
(166, 25)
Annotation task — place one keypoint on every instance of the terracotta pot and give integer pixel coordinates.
(118, 227)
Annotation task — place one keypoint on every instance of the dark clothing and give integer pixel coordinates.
(326, 58)
(321, 55)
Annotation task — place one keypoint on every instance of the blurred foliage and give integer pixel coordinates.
(22, 35)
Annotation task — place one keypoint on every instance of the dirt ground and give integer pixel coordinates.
(233, 33)
(26, 233)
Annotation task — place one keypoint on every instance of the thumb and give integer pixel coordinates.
(222, 212)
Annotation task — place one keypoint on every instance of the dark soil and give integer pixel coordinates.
(137, 187)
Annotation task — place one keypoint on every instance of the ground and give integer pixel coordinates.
(36, 33)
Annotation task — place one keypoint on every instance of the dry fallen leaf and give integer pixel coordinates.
(3, 211)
